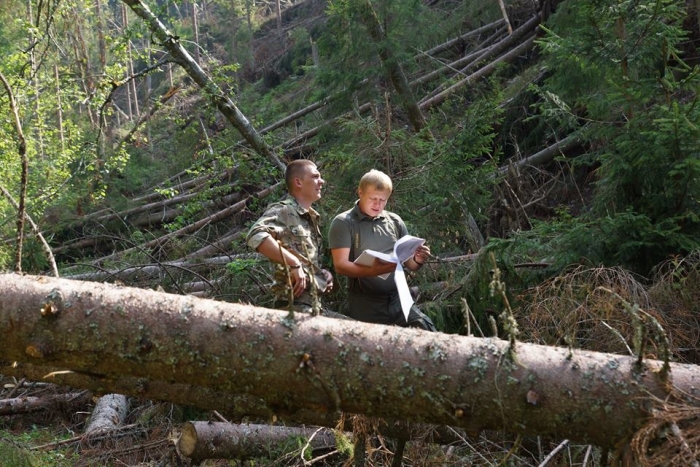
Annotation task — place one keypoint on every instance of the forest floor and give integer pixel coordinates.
(44, 425)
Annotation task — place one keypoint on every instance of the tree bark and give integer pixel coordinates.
(217, 440)
(225, 105)
(59, 106)
(236, 407)
(301, 362)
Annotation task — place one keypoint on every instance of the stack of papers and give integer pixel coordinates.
(404, 249)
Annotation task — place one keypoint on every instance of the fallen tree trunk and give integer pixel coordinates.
(545, 155)
(236, 407)
(302, 362)
(440, 97)
(225, 105)
(160, 201)
(26, 404)
(217, 440)
(459, 41)
(490, 53)
(460, 63)
(109, 412)
(190, 228)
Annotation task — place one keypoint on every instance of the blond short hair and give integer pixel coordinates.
(376, 179)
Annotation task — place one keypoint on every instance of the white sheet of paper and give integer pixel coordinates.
(404, 291)
(367, 259)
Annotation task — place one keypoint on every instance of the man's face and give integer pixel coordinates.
(311, 184)
(373, 201)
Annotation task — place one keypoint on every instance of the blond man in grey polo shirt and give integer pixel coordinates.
(369, 226)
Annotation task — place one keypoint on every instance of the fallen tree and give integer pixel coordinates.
(299, 362)
(110, 411)
(25, 404)
(236, 407)
(218, 440)
(225, 105)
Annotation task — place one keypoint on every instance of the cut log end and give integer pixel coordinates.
(188, 439)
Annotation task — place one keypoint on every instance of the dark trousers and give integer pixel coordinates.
(385, 309)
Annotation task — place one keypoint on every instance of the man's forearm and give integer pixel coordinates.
(272, 250)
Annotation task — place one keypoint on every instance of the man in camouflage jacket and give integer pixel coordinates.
(288, 234)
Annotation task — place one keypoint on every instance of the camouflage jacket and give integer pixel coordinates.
(297, 230)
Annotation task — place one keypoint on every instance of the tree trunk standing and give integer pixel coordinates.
(393, 68)
(59, 109)
(24, 175)
(233, 47)
(314, 54)
(278, 14)
(101, 44)
(169, 75)
(217, 440)
(329, 365)
(249, 19)
(34, 79)
(195, 29)
(82, 63)
(129, 98)
(225, 105)
(134, 108)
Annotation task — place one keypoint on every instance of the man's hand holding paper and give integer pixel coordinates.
(406, 248)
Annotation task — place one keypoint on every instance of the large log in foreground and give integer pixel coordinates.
(329, 365)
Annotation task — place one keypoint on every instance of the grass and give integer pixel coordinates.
(16, 449)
